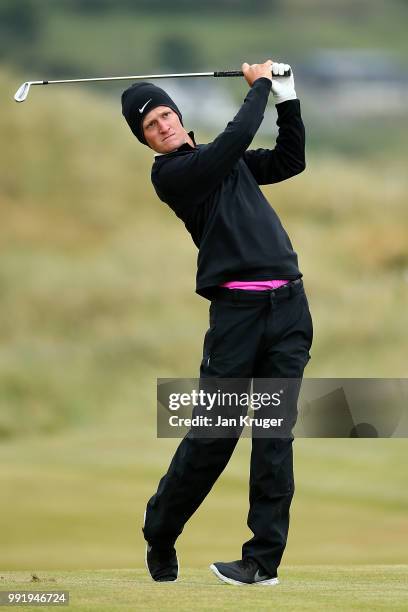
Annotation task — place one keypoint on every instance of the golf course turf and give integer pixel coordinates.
(353, 587)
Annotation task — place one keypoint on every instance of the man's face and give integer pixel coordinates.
(163, 130)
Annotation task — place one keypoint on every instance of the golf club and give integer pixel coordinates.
(22, 92)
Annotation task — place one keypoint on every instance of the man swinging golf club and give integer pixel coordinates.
(260, 324)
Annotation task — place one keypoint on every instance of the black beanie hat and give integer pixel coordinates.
(140, 99)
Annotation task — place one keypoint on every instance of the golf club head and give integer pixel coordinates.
(22, 92)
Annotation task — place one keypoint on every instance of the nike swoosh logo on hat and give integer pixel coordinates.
(144, 106)
(258, 577)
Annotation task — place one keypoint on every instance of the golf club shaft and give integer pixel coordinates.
(227, 73)
(22, 92)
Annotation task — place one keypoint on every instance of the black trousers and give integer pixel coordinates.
(252, 334)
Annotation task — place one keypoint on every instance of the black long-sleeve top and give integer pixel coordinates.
(214, 189)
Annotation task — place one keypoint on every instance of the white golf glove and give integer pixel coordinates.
(283, 88)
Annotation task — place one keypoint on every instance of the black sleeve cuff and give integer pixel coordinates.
(289, 107)
(264, 80)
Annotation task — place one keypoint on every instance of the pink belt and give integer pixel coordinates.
(255, 285)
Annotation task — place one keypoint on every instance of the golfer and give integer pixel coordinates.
(260, 324)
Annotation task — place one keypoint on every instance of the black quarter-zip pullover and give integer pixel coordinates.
(214, 190)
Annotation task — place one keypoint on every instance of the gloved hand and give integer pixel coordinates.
(283, 88)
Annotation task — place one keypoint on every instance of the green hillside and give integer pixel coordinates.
(133, 36)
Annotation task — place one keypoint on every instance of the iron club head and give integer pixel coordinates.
(22, 92)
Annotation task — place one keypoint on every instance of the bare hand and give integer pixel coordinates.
(257, 71)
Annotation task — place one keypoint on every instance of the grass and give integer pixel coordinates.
(76, 499)
(368, 587)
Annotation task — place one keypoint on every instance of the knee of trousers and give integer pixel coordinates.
(209, 447)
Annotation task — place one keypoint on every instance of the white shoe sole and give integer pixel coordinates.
(147, 567)
(269, 582)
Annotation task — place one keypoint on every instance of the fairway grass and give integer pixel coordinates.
(353, 587)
